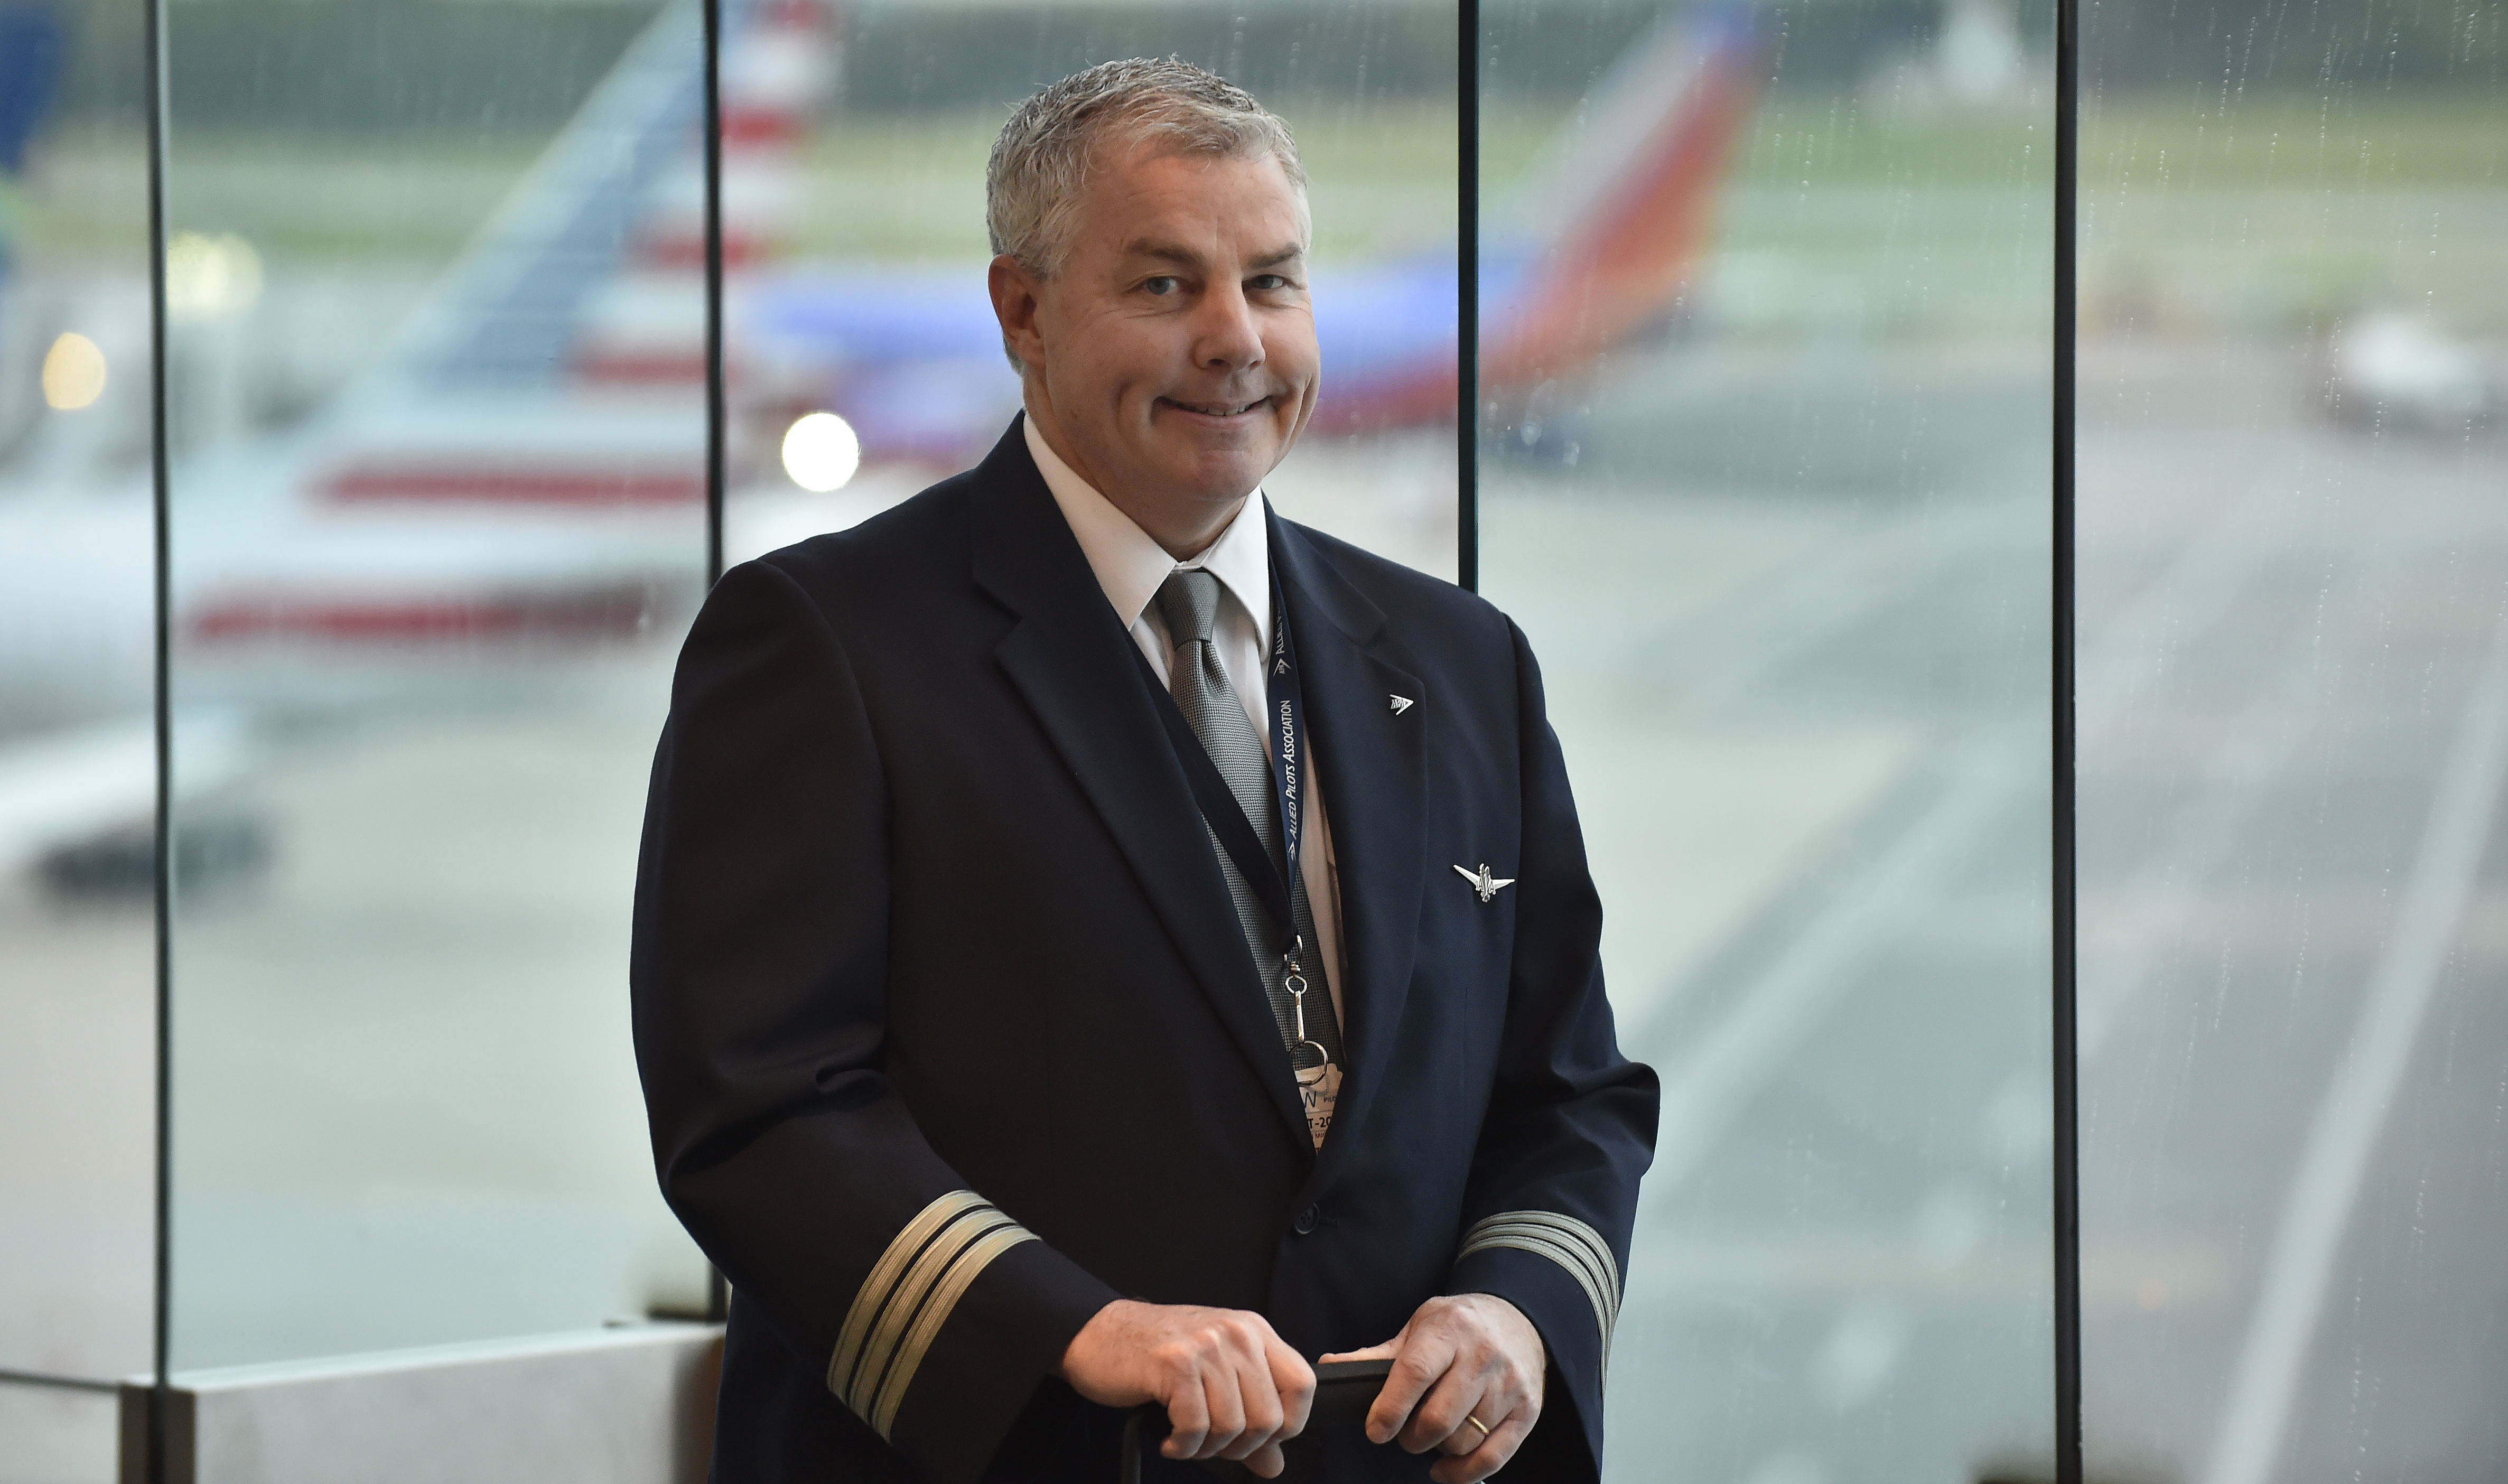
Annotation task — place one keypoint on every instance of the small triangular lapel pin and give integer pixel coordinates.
(1401, 704)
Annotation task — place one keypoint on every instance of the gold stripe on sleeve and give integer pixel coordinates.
(879, 1288)
(1570, 1243)
(913, 1293)
(977, 1255)
(899, 1309)
(1575, 1247)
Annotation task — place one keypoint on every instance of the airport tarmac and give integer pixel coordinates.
(2293, 724)
(1792, 609)
(2294, 1057)
(1803, 703)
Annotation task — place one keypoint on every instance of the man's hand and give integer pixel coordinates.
(1473, 1357)
(1231, 1388)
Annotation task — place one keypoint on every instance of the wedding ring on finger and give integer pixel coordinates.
(1477, 1422)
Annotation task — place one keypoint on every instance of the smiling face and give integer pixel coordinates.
(1171, 362)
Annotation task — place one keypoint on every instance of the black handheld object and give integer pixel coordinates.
(1343, 1392)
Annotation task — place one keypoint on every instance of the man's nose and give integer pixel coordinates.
(1226, 337)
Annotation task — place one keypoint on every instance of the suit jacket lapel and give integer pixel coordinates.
(1067, 655)
(1375, 795)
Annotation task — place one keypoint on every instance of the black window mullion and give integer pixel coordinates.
(1467, 297)
(2063, 879)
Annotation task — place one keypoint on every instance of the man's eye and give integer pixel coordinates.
(1268, 282)
(1161, 285)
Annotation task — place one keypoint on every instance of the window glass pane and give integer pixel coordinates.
(868, 301)
(77, 752)
(1767, 349)
(2294, 369)
(437, 431)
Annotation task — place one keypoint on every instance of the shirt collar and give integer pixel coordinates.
(1130, 566)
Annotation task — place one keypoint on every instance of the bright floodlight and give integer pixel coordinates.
(73, 373)
(820, 452)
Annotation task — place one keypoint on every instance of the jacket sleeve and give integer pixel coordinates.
(1571, 1126)
(758, 975)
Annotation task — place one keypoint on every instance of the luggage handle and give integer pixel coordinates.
(1343, 1392)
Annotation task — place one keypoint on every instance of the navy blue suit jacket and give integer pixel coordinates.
(925, 915)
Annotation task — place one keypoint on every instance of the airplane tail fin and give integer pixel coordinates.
(587, 284)
(503, 314)
(587, 273)
(1632, 190)
(1618, 208)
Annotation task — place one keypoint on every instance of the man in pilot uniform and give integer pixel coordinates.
(1100, 943)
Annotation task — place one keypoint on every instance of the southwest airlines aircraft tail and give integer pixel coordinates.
(1634, 188)
(1605, 242)
(911, 358)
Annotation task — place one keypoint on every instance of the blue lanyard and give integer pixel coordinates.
(1285, 734)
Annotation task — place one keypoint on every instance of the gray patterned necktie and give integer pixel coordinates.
(1189, 602)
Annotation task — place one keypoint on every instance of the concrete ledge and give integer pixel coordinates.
(631, 1405)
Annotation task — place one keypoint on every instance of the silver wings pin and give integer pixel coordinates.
(1483, 882)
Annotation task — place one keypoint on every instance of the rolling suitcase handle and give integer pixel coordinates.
(1343, 1392)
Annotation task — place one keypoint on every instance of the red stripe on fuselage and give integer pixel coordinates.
(469, 484)
(605, 612)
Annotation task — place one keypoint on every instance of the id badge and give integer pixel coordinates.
(1319, 1089)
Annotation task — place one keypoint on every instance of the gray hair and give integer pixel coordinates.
(1041, 160)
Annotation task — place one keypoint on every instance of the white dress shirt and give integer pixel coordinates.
(1130, 568)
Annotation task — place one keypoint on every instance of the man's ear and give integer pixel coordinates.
(1015, 304)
